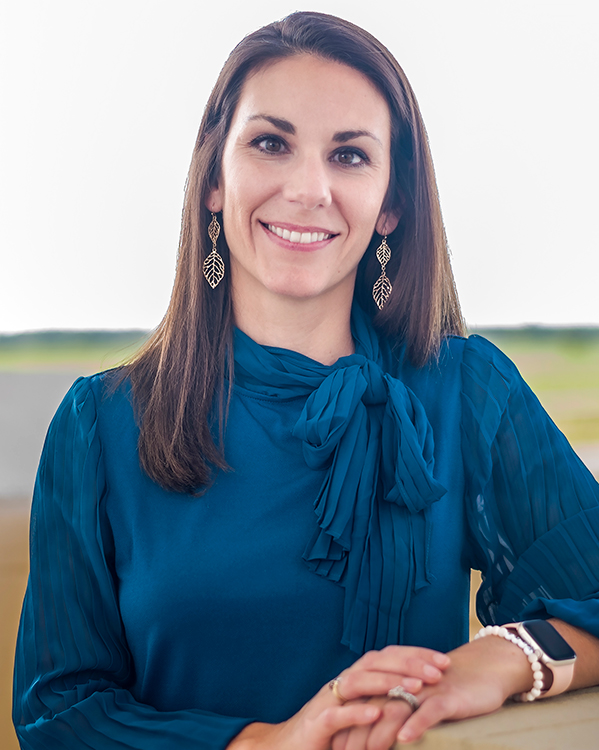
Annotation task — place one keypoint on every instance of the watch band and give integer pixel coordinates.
(561, 669)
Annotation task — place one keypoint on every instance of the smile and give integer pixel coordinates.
(302, 238)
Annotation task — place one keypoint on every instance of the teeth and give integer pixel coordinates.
(303, 238)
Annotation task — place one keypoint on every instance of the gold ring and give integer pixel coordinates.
(334, 685)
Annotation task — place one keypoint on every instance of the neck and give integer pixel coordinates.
(317, 328)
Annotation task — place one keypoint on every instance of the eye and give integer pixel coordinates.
(350, 157)
(269, 144)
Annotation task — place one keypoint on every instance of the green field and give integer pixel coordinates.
(561, 365)
(82, 351)
(562, 368)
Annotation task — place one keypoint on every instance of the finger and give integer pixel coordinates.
(336, 718)
(410, 661)
(357, 738)
(432, 711)
(411, 684)
(340, 740)
(384, 732)
(358, 684)
(398, 654)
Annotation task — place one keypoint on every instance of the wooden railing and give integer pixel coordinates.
(566, 722)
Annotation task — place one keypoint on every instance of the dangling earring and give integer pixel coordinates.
(214, 266)
(382, 287)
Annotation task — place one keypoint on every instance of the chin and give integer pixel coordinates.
(300, 289)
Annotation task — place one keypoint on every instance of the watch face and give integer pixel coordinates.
(549, 640)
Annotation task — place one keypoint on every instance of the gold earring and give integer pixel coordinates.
(214, 266)
(382, 287)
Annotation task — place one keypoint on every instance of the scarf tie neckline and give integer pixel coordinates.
(371, 436)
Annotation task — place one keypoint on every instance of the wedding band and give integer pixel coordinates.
(401, 694)
(334, 685)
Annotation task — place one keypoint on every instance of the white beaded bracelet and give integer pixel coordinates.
(531, 654)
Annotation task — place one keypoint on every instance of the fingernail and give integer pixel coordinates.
(441, 659)
(371, 712)
(405, 736)
(412, 683)
(431, 671)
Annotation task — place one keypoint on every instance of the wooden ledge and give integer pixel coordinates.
(566, 722)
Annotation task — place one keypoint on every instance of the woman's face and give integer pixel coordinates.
(304, 173)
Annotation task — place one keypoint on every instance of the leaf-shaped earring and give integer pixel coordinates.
(214, 266)
(382, 287)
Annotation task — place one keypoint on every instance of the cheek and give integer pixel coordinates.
(241, 204)
(249, 181)
(365, 201)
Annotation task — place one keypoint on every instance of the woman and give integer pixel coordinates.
(259, 533)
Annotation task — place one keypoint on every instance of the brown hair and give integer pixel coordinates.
(179, 376)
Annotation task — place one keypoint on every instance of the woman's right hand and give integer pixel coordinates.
(375, 673)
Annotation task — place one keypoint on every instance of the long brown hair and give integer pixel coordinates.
(179, 376)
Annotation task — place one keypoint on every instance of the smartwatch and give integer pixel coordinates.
(552, 651)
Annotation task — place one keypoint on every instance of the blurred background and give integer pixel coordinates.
(101, 103)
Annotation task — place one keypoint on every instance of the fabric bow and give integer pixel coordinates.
(372, 436)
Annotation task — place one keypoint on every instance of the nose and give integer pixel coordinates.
(308, 182)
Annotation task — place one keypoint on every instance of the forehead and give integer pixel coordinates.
(314, 90)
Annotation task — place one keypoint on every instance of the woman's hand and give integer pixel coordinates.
(324, 716)
(481, 676)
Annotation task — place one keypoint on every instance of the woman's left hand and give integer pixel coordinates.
(481, 676)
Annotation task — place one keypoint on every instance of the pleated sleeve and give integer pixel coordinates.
(72, 662)
(533, 507)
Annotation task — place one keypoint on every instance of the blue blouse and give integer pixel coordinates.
(154, 619)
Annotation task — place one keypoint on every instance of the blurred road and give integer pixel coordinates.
(28, 401)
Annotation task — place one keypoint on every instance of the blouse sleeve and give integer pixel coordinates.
(72, 663)
(533, 507)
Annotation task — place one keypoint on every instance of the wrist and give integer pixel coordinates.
(254, 736)
(508, 664)
(553, 652)
(537, 675)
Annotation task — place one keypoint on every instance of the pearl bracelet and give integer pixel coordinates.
(531, 655)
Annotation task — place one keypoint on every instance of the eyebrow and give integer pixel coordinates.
(287, 127)
(278, 122)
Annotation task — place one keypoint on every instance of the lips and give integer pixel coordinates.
(297, 237)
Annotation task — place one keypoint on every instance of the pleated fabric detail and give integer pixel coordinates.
(533, 506)
(73, 664)
(371, 435)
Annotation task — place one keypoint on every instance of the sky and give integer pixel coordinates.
(100, 101)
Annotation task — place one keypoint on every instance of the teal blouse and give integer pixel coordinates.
(359, 497)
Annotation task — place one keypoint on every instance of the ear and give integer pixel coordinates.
(214, 200)
(387, 222)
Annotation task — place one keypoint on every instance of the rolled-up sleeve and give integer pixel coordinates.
(533, 507)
